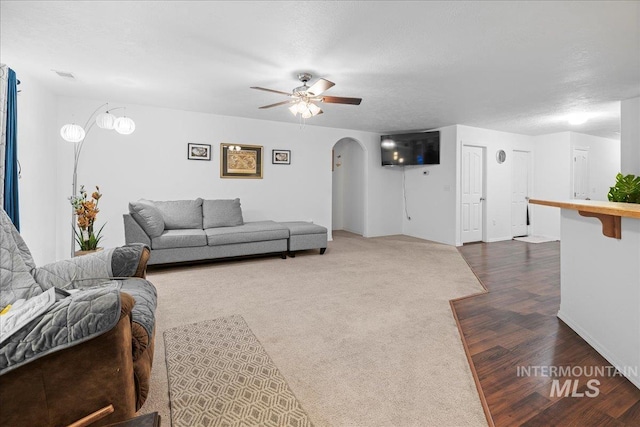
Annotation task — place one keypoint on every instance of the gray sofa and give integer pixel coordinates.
(192, 230)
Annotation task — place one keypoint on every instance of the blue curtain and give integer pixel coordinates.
(11, 157)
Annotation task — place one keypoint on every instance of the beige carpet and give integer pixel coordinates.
(221, 376)
(364, 334)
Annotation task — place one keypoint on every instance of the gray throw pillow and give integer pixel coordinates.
(181, 214)
(148, 216)
(221, 213)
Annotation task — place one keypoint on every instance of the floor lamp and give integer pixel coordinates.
(77, 134)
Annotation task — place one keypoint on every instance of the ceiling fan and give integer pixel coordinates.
(303, 98)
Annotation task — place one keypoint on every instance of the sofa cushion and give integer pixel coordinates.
(221, 213)
(148, 216)
(248, 232)
(181, 214)
(297, 228)
(183, 238)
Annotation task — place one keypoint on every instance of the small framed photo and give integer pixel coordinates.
(240, 161)
(281, 157)
(199, 152)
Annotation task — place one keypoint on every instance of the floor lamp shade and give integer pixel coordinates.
(124, 125)
(106, 121)
(72, 133)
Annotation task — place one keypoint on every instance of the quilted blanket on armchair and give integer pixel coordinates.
(91, 309)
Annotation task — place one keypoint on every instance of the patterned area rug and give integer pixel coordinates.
(220, 375)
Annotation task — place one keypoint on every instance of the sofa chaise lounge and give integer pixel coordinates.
(193, 230)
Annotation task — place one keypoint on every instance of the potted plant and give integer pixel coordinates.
(626, 189)
(86, 212)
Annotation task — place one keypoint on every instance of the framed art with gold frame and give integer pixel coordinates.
(240, 161)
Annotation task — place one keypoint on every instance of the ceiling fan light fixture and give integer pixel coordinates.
(314, 109)
(303, 98)
(301, 107)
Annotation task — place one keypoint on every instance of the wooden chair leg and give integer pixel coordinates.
(93, 417)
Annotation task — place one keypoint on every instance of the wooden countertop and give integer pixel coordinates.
(609, 213)
(629, 210)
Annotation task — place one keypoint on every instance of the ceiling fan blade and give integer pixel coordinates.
(341, 100)
(320, 86)
(271, 90)
(275, 105)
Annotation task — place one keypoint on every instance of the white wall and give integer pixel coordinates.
(604, 162)
(554, 174)
(37, 139)
(430, 199)
(152, 163)
(338, 177)
(600, 292)
(552, 170)
(498, 177)
(348, 186)
(630, 135)
(383, 198)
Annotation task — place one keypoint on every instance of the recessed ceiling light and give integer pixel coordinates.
(577, 118)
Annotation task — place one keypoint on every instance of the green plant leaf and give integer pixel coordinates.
(626, 189)
(92, 243)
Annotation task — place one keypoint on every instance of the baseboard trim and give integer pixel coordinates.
(597, 346)
(498, 239)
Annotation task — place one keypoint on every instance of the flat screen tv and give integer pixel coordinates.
(406, 149)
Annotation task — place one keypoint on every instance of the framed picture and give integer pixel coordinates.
(281, 157)
(198, 151)
(240, 161)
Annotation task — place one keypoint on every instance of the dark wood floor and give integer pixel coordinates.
(514, 324)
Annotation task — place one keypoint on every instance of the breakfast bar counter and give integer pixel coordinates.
(600, 278)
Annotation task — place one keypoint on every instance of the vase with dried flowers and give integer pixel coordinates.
(86, 212)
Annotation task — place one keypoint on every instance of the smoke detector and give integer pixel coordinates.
(65, 74)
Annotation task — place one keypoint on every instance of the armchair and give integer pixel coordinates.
(91, 348)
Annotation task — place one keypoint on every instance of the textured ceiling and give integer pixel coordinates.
(511, 66)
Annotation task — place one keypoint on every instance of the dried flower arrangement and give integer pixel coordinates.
(86, 213)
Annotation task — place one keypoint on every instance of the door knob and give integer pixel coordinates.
(482, 199)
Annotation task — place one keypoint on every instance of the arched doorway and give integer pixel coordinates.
(348, 186)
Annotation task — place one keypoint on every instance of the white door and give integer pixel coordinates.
(472, 193)
(580, 173)
(520, 193)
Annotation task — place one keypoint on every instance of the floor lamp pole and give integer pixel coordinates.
(74, 187)
(122, 125)
(73, 214)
